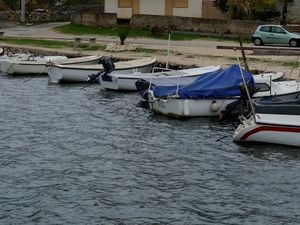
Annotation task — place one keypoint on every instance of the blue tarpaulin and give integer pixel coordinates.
(215, 85)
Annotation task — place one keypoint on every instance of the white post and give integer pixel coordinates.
(23, 11)
(167, 64)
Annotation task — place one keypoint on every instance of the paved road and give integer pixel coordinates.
(47, 31)
(193, 52)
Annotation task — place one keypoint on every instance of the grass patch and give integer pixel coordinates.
(149, 50)
(50, 43)
(138, 33)
(85, 30)
(39, 43)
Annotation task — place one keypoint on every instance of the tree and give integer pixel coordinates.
(222, 5)
(12, 4)
(248, 9)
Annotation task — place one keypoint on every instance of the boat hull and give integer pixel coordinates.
(201, 107)
(42, 67)
(126, 82)
(189, 107)
(74, 73)
(277, 129)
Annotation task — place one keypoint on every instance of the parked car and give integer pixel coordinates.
(274, 34)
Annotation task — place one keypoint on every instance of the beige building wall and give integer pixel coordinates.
(211, 12)
(194, 9)
(110, 6)
(152, 7)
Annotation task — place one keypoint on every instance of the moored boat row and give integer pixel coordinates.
(40, 65)
(202, 91)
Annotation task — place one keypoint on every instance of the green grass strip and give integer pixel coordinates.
(136, 33)
(39, 43)
(49, 43)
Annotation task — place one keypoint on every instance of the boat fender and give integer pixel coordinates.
(150, 96)
(186, 108)
(214, 107)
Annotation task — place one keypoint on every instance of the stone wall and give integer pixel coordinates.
(202, 25)
(105, 20)
(55, 14)
(170, 23)
(36, 17)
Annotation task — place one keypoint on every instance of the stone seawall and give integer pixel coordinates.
(170, 23)
(213, 26)
(55, 14)
(105, 20)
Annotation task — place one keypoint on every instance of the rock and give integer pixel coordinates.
(113, 47)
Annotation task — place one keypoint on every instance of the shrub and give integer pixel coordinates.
(123, 33)
(157, 31)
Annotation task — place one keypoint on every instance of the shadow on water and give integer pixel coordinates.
(267, 151)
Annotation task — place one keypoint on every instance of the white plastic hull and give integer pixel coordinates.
(270, 128)
(200, 107)
(42, 67)
(189, 107)
(74, 73)
(126, 82)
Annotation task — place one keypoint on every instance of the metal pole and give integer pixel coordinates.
(168, 53)
(247, 91)
(23, 11)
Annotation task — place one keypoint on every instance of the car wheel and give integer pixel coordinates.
(293, 43)
(257, 41)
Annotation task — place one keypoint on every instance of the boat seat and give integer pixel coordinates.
(277, 101)
(278, 106)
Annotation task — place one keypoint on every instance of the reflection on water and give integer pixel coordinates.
(70, 155)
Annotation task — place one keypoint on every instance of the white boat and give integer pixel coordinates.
(80, 73)
(272, 121)
(274, 76)
(40, 65)
(126, 82)
(263, 81)
(175, 105)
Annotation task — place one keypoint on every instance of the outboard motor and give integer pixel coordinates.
(107, 64)
(244, 96)
(108, 67)
(238, 107)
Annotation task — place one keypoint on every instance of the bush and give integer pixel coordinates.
(157, 31)
(266, 14)
(123, 33)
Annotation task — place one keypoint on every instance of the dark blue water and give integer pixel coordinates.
(71, 156)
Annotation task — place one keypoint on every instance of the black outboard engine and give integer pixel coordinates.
(108, 67)
(238, 107)
(107, 64)
(244, 95)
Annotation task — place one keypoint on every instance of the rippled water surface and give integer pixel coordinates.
(72, 156)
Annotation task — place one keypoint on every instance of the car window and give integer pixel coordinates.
(265, 29)
(278, 30)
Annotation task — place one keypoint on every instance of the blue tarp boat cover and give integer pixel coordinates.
(215, 85)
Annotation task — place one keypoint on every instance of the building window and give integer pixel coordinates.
(181, 3)
(125, 4)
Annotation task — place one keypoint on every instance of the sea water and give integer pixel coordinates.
(73, 155)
